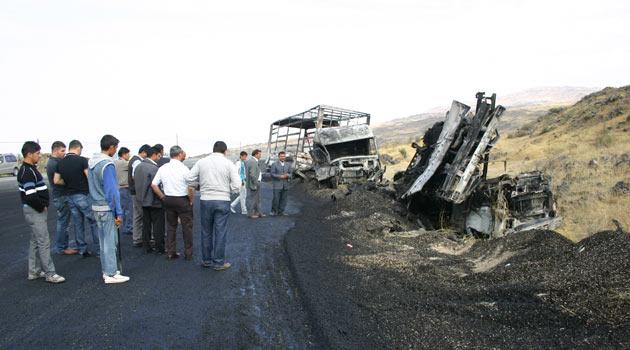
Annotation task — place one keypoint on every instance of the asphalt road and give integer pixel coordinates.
(166, 304)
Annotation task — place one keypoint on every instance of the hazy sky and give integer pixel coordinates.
(207, 70)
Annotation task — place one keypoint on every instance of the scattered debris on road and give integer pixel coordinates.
(438, 288)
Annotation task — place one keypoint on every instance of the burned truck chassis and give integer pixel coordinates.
(446, 185)
(328, 144)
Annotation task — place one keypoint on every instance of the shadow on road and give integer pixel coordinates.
(167, 304)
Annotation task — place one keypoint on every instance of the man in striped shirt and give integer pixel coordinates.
(35, 199)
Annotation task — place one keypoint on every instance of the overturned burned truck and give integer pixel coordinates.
(329, 144)
(445, 183)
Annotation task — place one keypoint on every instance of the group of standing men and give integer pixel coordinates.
(83, 190)
(251, 177)
(139, 195)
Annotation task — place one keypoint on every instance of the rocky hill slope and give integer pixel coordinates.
(586, 148)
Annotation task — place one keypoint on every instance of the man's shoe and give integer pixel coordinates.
(272, 213)
(261, 215)
(244, 213)
(55, 279)
(138, 244)
(32, 277)
(160, 251)
(86, 254)
(205, 264)
(172, 256)
(225, 266)
(69, 251)
(150, 250)
(117, 278)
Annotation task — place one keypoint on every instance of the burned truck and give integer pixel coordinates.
(446, 183)
(329, 144)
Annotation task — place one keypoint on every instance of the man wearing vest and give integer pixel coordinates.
(105, 200)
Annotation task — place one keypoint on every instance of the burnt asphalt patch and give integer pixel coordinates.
(371, 281)
(167, 304)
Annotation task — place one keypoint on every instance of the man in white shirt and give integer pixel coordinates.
(242, 197)
(177, 199)
(217, 178)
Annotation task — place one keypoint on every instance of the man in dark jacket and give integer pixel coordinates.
(35, 198)
(253, 180)
(71, 173)
(280, 174)
(136, 204)
(152, 211)
(62, 243)
(162, 160)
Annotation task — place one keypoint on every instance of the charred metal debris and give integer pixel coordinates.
(329, 144)
(446, 184)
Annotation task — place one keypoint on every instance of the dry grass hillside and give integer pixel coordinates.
(585, 147)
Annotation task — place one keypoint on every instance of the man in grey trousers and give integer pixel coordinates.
(35, 198)
(253, 181)
(153, 220)
(280, 174)
(136, 201)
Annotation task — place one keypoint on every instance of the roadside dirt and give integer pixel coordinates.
(372, 279)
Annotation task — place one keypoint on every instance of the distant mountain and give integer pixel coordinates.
(405, 130)
(522, 108)
(564, 95)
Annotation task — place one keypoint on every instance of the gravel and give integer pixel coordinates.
(372, 279)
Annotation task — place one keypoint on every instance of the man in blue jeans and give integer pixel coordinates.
(217, 178)
(62, 244)
(105, 200)
(71, 173)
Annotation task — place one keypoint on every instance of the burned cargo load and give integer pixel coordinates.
(329, 144)
(446, 185)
